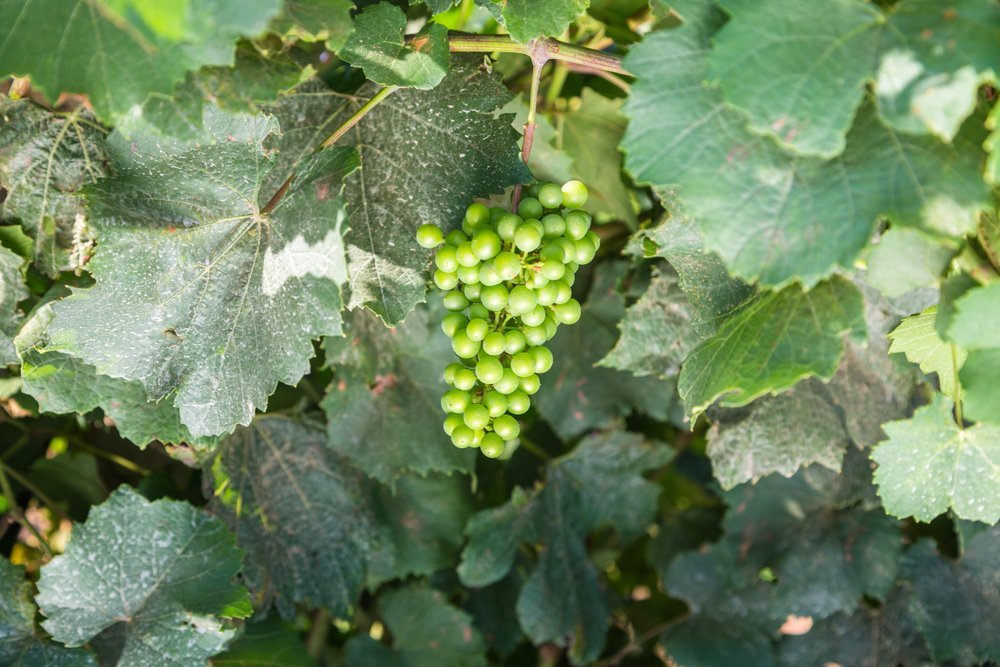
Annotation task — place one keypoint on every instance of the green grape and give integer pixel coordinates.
(452, 322)
(506, 427)
(456, 400)
(514, 342)
(495, 402)
(429, 236)
(553, 269)
(445, 281)
(507, 225)
(530, 208)
(486, 244)
(563, 291)
(446, 260)
(472, 291)
(542, 357)
(585, 251)
(477, 329)
(463, 436)
(534, 317)
(488, 275)
(574, 194)
(477, 214)
(536, 280)
(567, 313)
(497, 212)
(493, 344)
(547, 294)
(463, 346)
(494, 297)
(523, 364)
(508, 382)
(449, 372)
(530, 384)
(529, 235)
(550, 326)
(476, 416)
(577, 224)
(594, 239)
(535, 335)
(465, 379)
(492, 445)
(489, 370)
(517, 403)
(554, 225)
(468, 274)
(550, 195)
(452, 421)
(507, 264)
(520, 300)
(465, 255)
(455, 238)
(479, 310)
(455, 301)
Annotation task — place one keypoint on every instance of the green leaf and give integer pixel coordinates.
(936, 59)
(71, 479)
(494, 537)
(12, 291)
(527, 19)
(494, 612)
(268, 643)
(591, 134)
(769, 215)
(21, 643)
(62, 383)
(218, 301)
(377, 46)
(45, 158)
(547, 162)
(326, 21)
(775, 340)
(301, 513)
(425, 630)
(155, 578)
(807, 104)
(992, 147)
(929, 465)
(906, 259)
(976, 315)
(384, 406)
(576, 394)
(955, 602)
(104, 44)
(436, 149)
(980, 398)
(917, 338)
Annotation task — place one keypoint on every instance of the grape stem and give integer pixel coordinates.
(539, 52)
(460, 42)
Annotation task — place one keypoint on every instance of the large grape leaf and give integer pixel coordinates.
(62, 383)
(153, 579)
(917, 338)
(377, 46)
(424, 154)
(300, 512)
(772, 342)
(773, 216)
(21, 644)
(266, 643)
(597, 484)
(956, 603)
(906, 259)
(929, 465)
(45, 158)
(934, 61)
(425, 630)
(326, 21)
(807, 104)
(118, 51)
(200, 296)
(12, 291)
(527, 19)
(576, 394)
(384, 406)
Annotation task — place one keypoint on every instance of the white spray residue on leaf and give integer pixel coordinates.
(324, 259)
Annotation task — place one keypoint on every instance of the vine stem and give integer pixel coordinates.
(539, 56)
(19, 516)
(637, 642)
(460, 42)
(958, 387)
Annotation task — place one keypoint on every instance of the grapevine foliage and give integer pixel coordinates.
(736, 395)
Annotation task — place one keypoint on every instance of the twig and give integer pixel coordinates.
(316, 640)
(607, 76)
(23, 481)
(539, 56)
(652, 633)
(459, 42)
(15, 511)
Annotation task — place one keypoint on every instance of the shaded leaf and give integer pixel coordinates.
(269, 643)
(976, 314)
(12, 291)
(981, 400)
(906, 259)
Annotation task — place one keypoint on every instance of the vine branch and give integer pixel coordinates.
(460, 42)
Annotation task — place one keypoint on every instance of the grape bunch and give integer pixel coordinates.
(508, 281)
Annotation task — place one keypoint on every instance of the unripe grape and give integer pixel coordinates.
(445, 281)
(488, 275)
(534, 317)
(493, 344)
(465, 255)
(446, 260)
(550, 195)
(594, 239)
(494, 298)
(535, 335)
(514, 342)
(449, 372)
(455, 238)
(542, 357)
(547, 294)
(468, 274)
(520, 300)
(530, 384)
(567, 313)
(518, 403)
(536, 280)
(489, 370)
(455, 301)
(507, 225)
(574, 194)
(463, 436)
(495, 402)
(507, 265)
(451, 422)
(464, 347)
(477, 214)
(554, 225)
(497, 212)
(465, 379)
(471, 291)
(529, 235)
(452, 322)
(553, 269)
(478, 310)
(563, 292)
(550, 326)
(492, 445)
(486, 244)
(429, 236)
(476, 416)
(456, 400)
(506, 427)
(477, 329)
(530, 208)
(523, 364)
(585, 251)
(577, 224)
(508, 382)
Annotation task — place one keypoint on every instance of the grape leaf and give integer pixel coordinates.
(377, 46)
(980, 398)
(906, 259)
(772, 342)
(769, 215)
(217, 300)
(424, 155)
(268, 643)
(918, 339)
(992, 147)
(576, 395)
(12, 291)
(494, 612)
(62, 383)
(934, 62)
(955, 602)
(153, 577)
(45, 158)
(301, 513)
(425, 630)
(656, 331)
(21, 645)
(326, 21)
(527, 19)
(976, 315)
(805, 103)
(929, 465)
(384, 406)
(118, 51)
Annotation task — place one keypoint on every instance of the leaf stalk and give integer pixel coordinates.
(460, 42)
